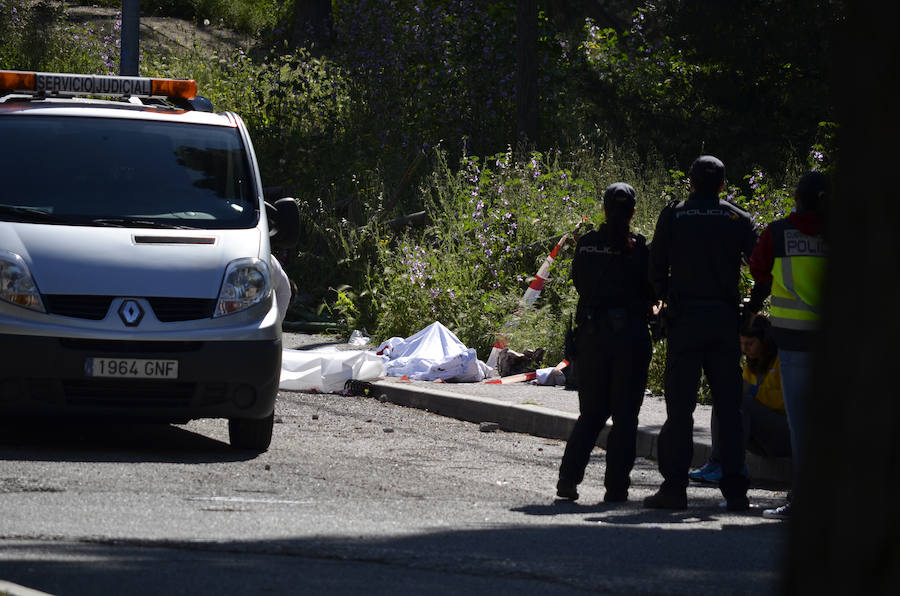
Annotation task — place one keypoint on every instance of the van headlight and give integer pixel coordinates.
(16, 284)
(247, 282)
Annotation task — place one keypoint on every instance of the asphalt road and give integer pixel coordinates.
(354, 496)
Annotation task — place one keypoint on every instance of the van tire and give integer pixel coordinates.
(253, 434)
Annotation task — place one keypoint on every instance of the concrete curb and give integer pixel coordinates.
(533, 420)
(527, 419)
(548, 423)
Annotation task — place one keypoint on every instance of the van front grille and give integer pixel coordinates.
(77, 305)
(167, 310)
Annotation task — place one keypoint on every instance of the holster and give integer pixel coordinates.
(661, 322)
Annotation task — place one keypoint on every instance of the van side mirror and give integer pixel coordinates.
(284, 222)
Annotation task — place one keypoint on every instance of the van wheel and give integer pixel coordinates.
(254, 434)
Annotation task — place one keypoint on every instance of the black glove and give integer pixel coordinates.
(658, 323)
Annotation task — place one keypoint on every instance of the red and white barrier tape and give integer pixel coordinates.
(537, 284)
(532, 293)
(513, 378)
(526, 376)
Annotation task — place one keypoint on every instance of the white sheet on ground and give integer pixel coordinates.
(327, 369)
(431, 354)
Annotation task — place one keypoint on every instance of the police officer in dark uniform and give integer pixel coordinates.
(612, 345)
(695, 259)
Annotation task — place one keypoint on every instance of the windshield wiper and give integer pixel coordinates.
(29, 214)
(122, 222)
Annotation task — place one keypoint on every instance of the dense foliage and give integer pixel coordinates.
(412, 106)
(245, 16)
(37, 36)
(748, 81)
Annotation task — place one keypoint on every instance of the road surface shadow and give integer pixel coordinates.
(633, 512)
(318, 346)
(547, 560)
(111, 441)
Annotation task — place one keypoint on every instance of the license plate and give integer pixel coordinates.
(131, 368)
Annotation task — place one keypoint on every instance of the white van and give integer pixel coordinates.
(134, 256)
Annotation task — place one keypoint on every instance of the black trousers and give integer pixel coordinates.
(703, 337)
(612, 377)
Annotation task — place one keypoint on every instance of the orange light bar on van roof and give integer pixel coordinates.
(12, 80)
(185, 89)
(54, 83)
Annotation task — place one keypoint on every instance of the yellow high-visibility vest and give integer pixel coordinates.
(797, 277)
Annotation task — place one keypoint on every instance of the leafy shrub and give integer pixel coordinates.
(446, 73)
(495, 221)
(39, 36)
(746, 81)
(295, 106)
(245, 16)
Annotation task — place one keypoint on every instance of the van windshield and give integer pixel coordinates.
(122, 172)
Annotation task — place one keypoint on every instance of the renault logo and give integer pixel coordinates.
(131, 313)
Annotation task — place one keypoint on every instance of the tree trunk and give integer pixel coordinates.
(312, 24)
(526, 72)
(846, 536)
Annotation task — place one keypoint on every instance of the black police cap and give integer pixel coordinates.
(619, 193)
(707, 172)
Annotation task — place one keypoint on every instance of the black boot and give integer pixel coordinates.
(566, 489)
(666, 500)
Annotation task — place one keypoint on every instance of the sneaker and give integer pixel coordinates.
(661, 500)
(711, 473)
(566, 490)
(783, 512)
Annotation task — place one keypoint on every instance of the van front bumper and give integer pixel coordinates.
(47, 376)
